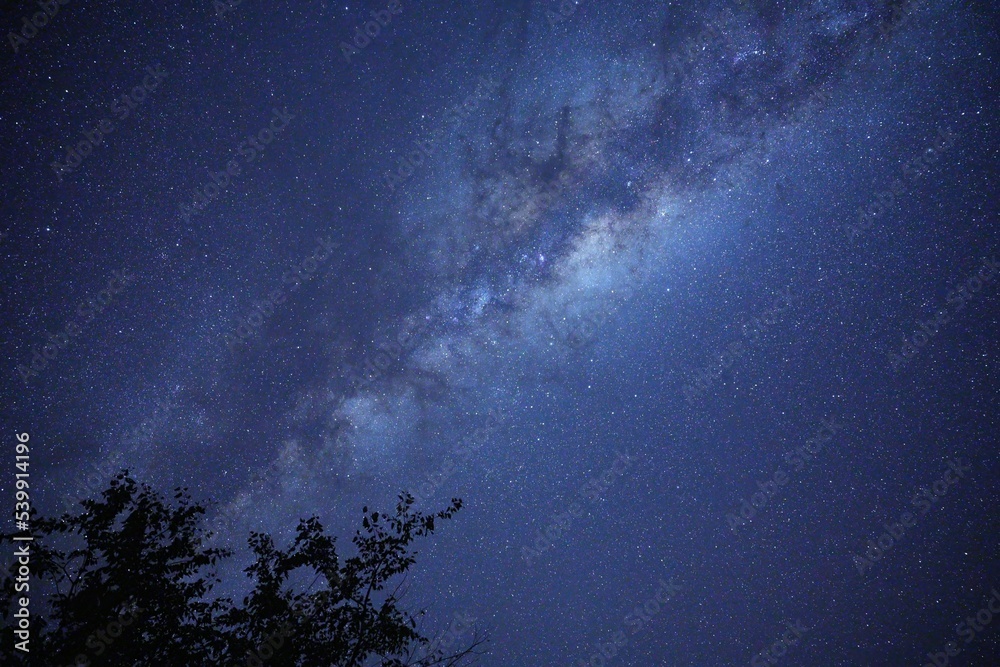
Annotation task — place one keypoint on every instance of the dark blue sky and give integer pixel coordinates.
(604, 270)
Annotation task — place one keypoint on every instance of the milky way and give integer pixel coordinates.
(497, 250)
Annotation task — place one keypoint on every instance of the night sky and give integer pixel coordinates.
(694, 304)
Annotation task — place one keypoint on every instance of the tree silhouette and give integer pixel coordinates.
(127, 582)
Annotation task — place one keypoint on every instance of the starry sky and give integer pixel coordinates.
(694, 304)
